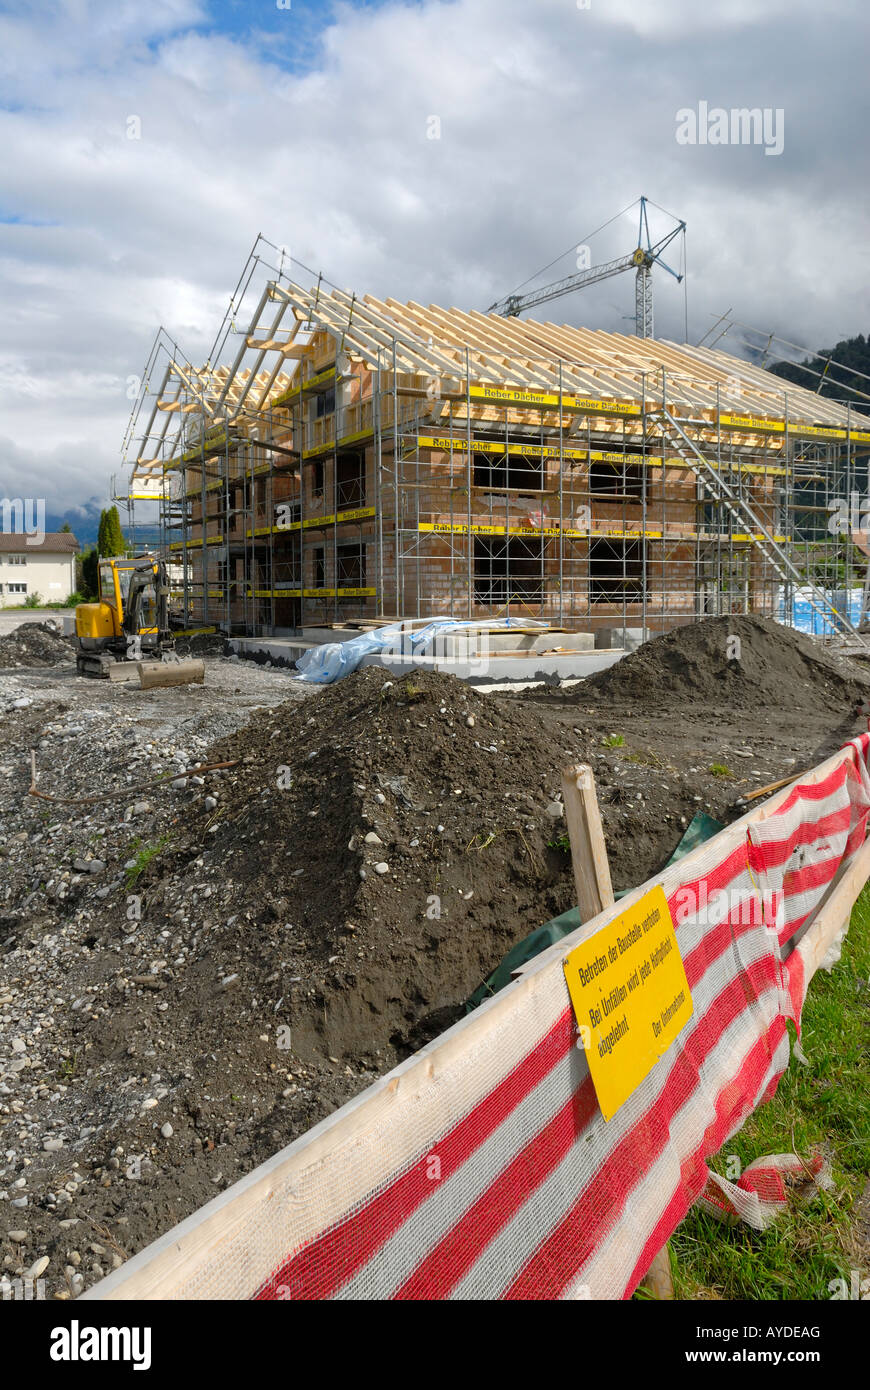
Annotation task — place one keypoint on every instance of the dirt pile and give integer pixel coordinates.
(379, 850)
(201, 644)
(35, 644)
(741, 662)
(213, 969)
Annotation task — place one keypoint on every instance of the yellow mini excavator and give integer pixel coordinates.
(130, 622)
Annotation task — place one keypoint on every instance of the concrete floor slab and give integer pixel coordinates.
(494, 667)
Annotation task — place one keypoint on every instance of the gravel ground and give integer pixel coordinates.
(62, 873)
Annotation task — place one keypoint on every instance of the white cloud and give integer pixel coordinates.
(552, 118)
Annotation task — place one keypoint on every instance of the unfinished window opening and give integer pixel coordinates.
(498, 473)
(508, 570)
(615, 572)
(288, 612)
(351, 558)
(619, 479)
(350, 481)
(317, 478)
(319, 567)
(812, 514)
(324, 403)
(287, 569)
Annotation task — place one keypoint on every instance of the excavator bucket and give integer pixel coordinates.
(155, 673)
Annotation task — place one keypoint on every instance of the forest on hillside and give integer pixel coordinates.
(840, 368)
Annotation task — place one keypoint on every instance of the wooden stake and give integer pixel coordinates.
(775, 786)
(658, 1280)
(588, 850)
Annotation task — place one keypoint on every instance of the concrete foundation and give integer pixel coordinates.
(537, 662)
(626, 638)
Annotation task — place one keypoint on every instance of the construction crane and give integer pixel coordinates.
(641, 259)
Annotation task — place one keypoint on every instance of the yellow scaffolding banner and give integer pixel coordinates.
(584, 405)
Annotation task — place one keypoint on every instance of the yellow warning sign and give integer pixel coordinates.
(631, 997)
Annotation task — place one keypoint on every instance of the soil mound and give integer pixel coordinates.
(378, 851)
(742, 662)
(201, 644)
(35, 644)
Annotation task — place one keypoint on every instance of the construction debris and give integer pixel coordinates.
(35, 644)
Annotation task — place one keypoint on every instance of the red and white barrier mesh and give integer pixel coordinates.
(482, 1167)
(761, 1192)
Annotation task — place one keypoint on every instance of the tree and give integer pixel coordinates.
(66, 529)
(87, 579)
(110, 537)
(845, 381)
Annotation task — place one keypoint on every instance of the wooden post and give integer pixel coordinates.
(594, 894)
(588, 850)
(658, 1280)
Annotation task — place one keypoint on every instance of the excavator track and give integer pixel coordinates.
(96, 665)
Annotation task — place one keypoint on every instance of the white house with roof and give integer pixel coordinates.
(31, 565)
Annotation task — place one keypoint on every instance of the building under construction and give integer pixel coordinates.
(344, 458)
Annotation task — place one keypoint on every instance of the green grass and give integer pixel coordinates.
(68, 1068)
(142, 859)
(613, 741)
(720, 770)
(646, 757)
(826, 1106)
(72, 602)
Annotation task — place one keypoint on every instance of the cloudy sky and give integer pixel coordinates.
(144, 146)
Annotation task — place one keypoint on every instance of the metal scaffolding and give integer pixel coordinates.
(361, 459)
